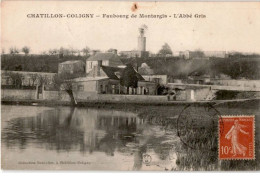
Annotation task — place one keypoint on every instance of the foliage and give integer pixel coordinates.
(64, 82)
(86, 51)
(35, 63)
(17, 79)
(67, 52)
(247, 67)
(166, 49)
(237, 67)
(26, 50)
(13, 50)
(33, 78)
(53, 51)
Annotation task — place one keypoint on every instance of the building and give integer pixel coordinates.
(159, 79)
(218, 54)
(72, 67)
(199, 79)
(104, 59)
(103, 79)
(141, 46)
(145, 69)
(189, 54)
(202, 54)
(96, 85)
(100, 79)
(134, 54)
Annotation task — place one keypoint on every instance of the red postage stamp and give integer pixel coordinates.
(237, 137)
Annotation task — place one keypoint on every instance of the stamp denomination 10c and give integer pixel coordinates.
(236, 141)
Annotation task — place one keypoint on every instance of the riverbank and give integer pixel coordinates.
(98, 103)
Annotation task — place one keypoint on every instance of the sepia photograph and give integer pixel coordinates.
(130, 86)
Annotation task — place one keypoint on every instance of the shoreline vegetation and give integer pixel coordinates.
(119, 104)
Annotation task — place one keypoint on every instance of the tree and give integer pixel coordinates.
(26, 50)
(129, 77)
(62, 52)
(42, 80)
(17, 79)
(33, 78)
(53, 51)
(111, 50)
(13, 50)
(86, 51)
(166, 49)
(72, 51)
(63, 81)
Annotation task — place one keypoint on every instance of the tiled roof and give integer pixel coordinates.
(140, 78)
(111, 72)
(72, 62)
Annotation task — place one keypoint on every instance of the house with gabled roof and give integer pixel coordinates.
(106, 80)
(105, 59)
(103, 73)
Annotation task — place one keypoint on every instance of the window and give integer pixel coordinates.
(80, 87)
(90, 64)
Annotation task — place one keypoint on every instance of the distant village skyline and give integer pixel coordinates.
(7, 51)
(224, 29)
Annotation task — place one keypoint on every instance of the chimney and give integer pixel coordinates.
(94, 52)
(115, 51)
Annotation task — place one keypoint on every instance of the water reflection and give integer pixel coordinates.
(69, 128)
(113, 140)
(89, 131)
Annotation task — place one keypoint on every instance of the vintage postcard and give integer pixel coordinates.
(130, 86)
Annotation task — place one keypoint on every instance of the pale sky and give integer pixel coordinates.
(227, 26)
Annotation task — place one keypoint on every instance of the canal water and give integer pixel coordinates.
(81, 138)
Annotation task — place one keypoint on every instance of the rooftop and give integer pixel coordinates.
(81, 79)
(71, 62)
(105, 56)
(111, 71)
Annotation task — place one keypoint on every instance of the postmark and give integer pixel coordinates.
(237, 140)
(197, 126)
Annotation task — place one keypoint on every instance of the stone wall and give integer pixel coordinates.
(82, 96)
(18, 94)
(132, 98)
